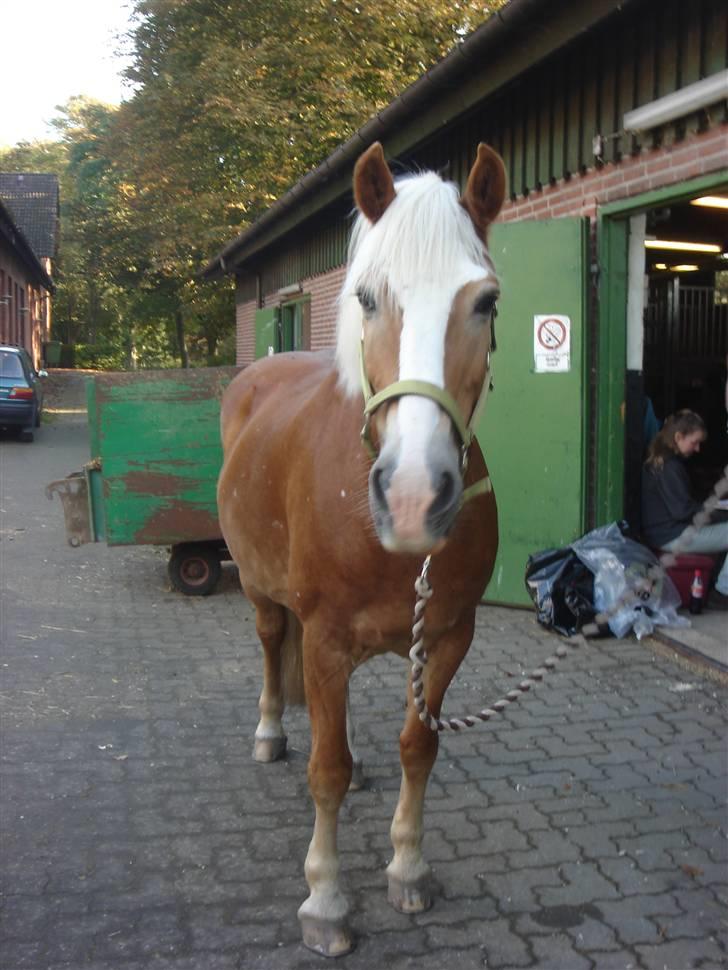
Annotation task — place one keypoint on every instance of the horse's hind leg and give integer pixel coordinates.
(408, 873)
(271, 623)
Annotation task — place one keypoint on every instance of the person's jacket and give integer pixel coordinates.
(668, 507)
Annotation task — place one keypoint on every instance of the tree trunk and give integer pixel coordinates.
(211, 341)
(181, 345)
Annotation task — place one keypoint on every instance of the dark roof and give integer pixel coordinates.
(32, 198)
(16, 241)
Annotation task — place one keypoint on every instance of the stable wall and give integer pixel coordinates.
(580, 195)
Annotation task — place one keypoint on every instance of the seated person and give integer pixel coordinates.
(668, 507)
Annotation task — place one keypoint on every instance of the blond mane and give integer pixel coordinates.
(424, 236)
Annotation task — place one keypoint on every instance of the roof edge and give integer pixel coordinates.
(434, 82)
(25, 251)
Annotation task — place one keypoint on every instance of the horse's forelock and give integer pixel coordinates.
(424, 235)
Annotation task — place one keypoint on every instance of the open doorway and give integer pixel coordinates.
(684, 338)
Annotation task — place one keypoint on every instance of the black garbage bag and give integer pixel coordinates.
(605, 571)
(562, 589)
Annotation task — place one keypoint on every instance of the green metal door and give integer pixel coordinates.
(266, 332)
(533, 431)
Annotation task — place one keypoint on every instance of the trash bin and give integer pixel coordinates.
(52, 353)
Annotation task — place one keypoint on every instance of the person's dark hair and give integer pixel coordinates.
(663, 444)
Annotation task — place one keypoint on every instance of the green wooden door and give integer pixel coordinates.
(266, 332)
(533, 431)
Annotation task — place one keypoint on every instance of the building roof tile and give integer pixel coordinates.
(32, 198)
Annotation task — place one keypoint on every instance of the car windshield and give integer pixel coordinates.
(10, 365)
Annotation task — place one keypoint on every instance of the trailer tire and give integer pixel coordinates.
(194, 569)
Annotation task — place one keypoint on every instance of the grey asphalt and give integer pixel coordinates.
(585, 828)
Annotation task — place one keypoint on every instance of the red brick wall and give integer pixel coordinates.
(22, 317)
(323, 290)
(245, 332)
(655, 169)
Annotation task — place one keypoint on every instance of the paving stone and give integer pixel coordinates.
(640, 919)
(585, 827)
(557, 951)
(683, 955)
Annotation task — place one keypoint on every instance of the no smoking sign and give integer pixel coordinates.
(551, 343)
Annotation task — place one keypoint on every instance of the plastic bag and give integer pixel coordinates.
(620, 568)
(562, 589)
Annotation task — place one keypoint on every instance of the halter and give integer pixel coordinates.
(444, 400)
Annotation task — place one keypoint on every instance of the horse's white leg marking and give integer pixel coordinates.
(270, 738)
(408, 873)
(357, 770)
(323, 914)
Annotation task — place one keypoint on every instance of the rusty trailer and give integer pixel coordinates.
(152, 477)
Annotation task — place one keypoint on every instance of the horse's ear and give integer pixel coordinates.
(486, 189)
(373, 183)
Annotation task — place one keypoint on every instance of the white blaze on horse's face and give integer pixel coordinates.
(417, 252)
(416, 483)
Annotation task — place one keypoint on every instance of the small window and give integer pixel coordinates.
(295, 325)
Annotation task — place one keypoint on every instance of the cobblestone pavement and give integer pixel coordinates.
(586, 828)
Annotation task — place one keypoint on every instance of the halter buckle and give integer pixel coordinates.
(464, 458)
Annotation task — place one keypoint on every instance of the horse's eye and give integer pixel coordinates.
(367, 301)
(485, 305)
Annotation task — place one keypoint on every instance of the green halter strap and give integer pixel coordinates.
(443, 399)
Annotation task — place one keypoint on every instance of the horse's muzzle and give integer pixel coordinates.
(414, 513)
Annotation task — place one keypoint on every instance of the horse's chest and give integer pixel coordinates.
(384, 628)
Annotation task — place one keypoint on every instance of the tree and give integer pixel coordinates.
(233, 101)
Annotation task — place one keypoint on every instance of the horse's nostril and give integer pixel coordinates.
(379, 482)
(445, 493)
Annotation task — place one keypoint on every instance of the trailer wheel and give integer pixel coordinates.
(194, 569)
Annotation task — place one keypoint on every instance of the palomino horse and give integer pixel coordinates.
(329, 531)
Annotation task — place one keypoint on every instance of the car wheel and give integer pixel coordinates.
(194, 569)
(27, 434)
(36, 419)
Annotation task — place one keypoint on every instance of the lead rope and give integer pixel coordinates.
(424, 591)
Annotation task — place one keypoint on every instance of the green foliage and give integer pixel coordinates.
(233, 101)
(106, 356)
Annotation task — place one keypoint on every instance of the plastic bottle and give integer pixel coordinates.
(696, 593)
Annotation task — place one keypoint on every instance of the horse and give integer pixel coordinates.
(328, 523)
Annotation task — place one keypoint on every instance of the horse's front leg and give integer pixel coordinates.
(408, 873)
(326, 671)
(357, 771)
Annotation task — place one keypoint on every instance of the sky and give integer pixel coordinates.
(52, 50)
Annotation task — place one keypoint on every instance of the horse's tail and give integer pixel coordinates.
(294, 691)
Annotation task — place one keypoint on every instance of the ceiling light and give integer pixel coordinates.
(711, 201)
(685, 247)
(684, 268)
(660, 266)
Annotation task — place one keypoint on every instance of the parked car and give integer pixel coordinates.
(21, 391)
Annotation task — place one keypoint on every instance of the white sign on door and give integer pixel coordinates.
(551, 343)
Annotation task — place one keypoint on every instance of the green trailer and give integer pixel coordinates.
(155, 458)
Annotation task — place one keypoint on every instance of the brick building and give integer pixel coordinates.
(29, 207)
(611, 120)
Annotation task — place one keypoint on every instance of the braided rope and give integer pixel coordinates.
(423, 589)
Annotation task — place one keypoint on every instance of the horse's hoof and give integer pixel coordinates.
(330, 938)
(269, 749)
(358, 780)
(410, 897)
